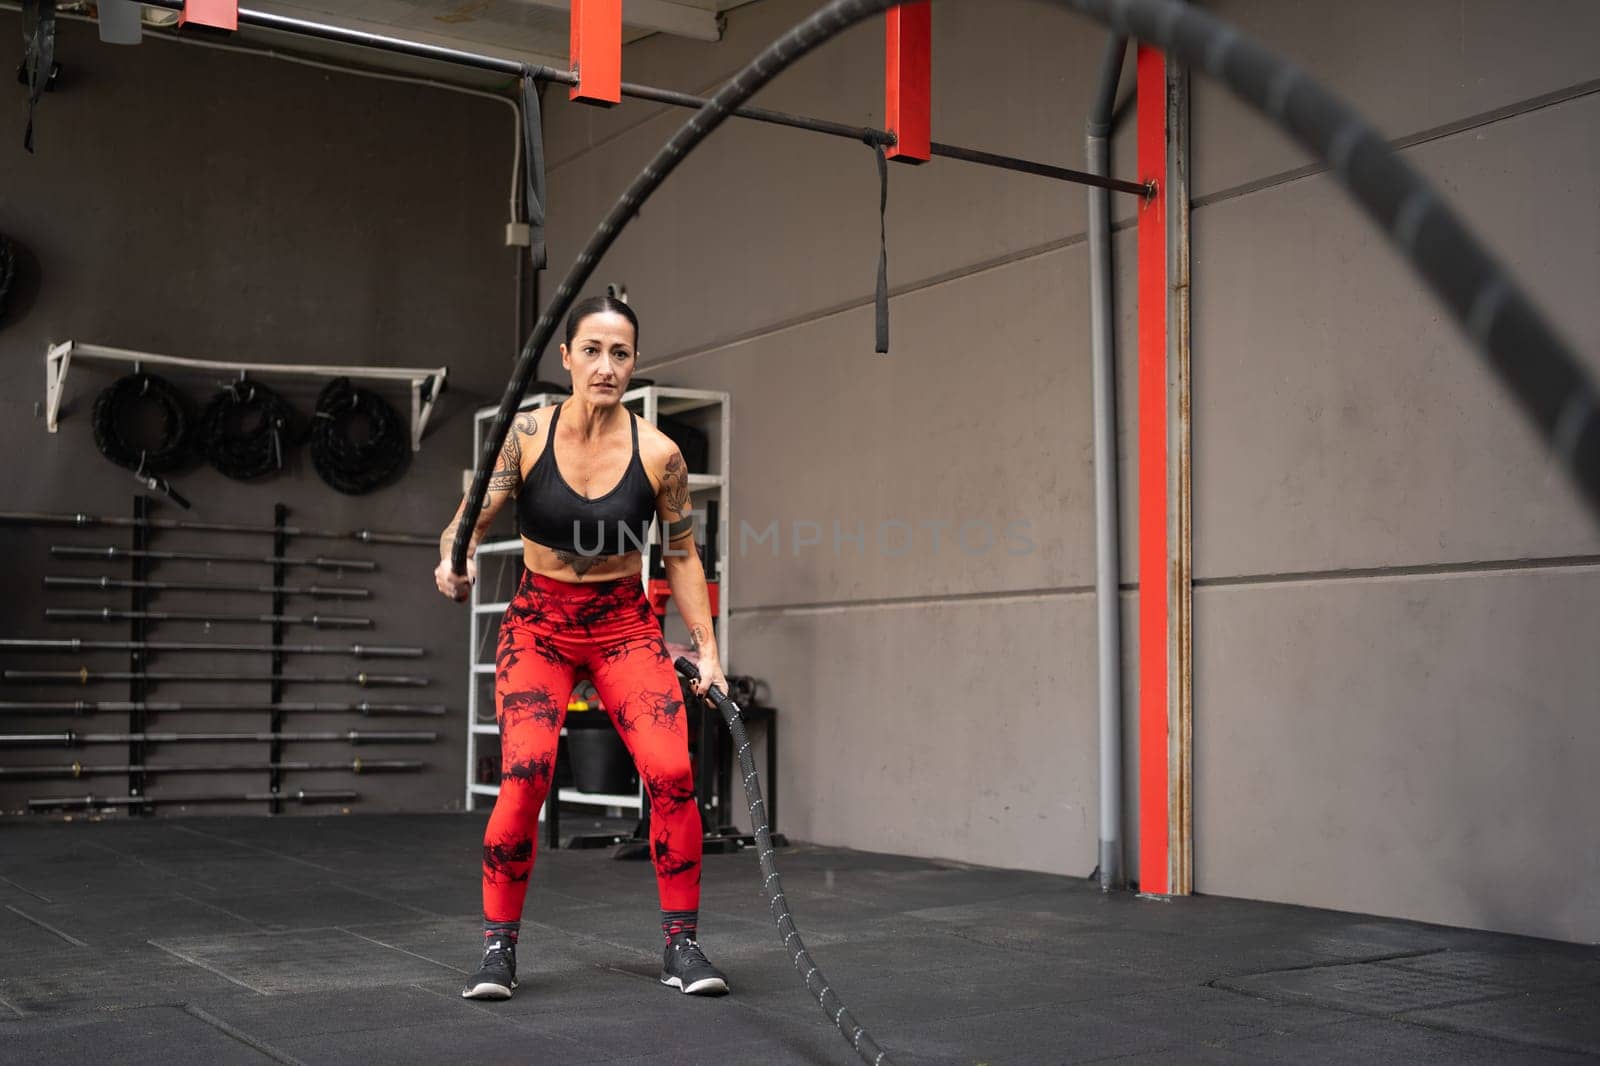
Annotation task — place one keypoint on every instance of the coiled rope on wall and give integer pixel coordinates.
(244, 430)
(124, 420)
(358, 442)
(1522, 349)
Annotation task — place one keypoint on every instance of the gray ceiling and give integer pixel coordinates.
(530, 30)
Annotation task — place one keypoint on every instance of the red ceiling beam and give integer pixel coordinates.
(597, 51)
(216, 14)
(908, 81)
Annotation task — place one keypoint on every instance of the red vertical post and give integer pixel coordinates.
(1154, 734)
(217, 14)
(908, 81)
(597, 51)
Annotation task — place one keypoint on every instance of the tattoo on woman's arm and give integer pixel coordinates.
(683, 527)
(675, 486)
(701, 637)
(508, 472)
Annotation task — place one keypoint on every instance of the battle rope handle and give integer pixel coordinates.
(1535, 364)
(815, 982)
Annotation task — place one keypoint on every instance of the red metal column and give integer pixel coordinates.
(908, 81)
(1154, 736)
(597, 51)
(218, 14)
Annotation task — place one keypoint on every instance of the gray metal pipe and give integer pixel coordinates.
(1108, 607)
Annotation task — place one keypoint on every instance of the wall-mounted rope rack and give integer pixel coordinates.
(426, 383)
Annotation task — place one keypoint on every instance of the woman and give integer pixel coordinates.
(588, 477)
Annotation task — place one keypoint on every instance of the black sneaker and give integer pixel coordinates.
(686, 968)
(498, 975)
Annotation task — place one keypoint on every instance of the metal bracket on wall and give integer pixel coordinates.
(426, 384)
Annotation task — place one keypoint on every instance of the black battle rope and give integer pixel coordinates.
(120, 407)
(38, 55)
(8, 270)
(816, 983)
(1523, 350)
(120, 404)
(346, 461)
(244, 430)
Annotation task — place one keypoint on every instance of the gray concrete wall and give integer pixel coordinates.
(1394, 710)
(935, 700)
(1395, 687)
(191, 202)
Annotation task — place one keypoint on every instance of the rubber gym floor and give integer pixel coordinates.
(346, 940)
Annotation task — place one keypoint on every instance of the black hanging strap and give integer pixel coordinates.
(882, 346)
(533, 168)
(38, 55)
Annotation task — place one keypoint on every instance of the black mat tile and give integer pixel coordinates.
(350, 937)
(302, 961)
(1042, 1035)
(437, 1042)
(81, 979)
(1198, 1015)
(1571, 1021)
(1367, 1041)
(1370, 988)
(313, 905)
(1550, 968)
(305, 1014)
(135, 1037)
(21, 933)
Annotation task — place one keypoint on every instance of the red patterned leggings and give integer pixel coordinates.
(552, 630)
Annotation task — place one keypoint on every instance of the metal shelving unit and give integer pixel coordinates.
(650, 402)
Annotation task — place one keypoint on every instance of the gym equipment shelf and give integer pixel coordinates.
(650, 402)
(426, 384)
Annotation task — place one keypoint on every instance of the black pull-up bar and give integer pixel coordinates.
(322, 31)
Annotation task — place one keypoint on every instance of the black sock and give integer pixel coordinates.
(676, 923)
(508, 930)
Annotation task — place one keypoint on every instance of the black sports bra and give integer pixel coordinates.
(550, 512)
